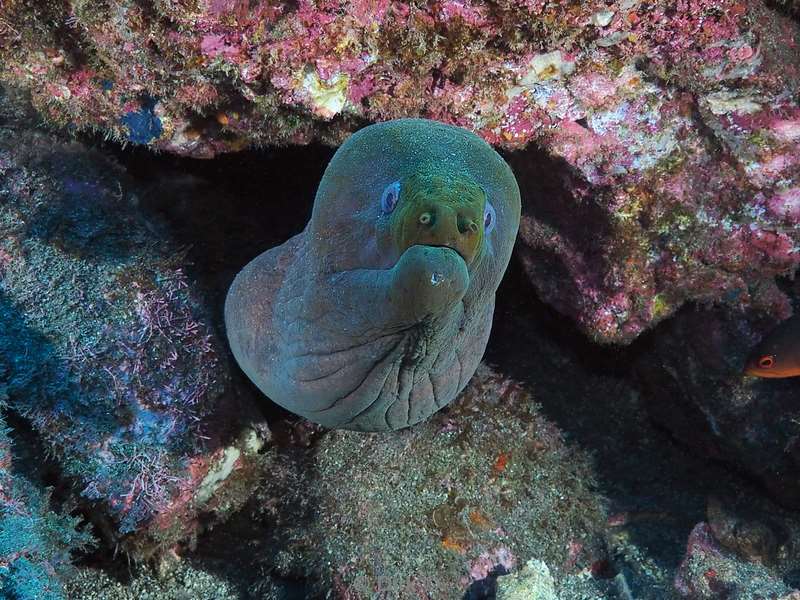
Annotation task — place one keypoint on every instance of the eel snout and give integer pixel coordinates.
(456, 226)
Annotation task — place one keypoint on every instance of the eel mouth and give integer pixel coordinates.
(423, 268)
(468, 260)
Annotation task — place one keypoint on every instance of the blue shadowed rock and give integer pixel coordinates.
(143, 125)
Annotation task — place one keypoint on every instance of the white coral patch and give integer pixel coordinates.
(541, 80)
(327, 97)
(602, 18)
(217, 474)
(721, 103)
(544, 67)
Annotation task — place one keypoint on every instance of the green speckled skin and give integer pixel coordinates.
(355, 324)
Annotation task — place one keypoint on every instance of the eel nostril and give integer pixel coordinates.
(467, 226)
(426, 218)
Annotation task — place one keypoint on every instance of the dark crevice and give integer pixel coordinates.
(789, 8)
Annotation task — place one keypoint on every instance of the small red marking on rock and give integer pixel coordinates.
(501, 462)
(618, 519)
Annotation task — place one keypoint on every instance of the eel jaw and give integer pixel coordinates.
(428, 281)
(467, 260)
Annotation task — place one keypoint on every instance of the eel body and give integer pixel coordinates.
(378, 313)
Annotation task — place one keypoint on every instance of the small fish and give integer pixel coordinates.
(778, 354)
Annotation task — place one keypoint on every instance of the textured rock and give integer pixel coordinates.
(35, 542)
(693, 384)
(754, 538)
(208, 76)
(669, 136)
(709, 573)
(532, 582)
(108, 350)
(184, 582)
(438, 509)
(675, 177)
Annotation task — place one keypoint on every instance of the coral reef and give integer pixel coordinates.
(657, 149)
(656, 490)
(106, 348)
(693, 384)
(675, 175)
(436, 510)
(674, 129)
(207, 77)
(532, 582)
(709, 572)
(35, 542)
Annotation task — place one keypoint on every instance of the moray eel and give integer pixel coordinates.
(378, 313)
(778, 354)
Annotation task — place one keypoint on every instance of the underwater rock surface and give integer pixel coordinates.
(532, 582)
(438, 509)
(107, 349)
(710, 572)
(673, 133)
(35, 542)
(692, 380)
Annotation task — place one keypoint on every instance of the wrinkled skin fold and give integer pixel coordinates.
(377, 314)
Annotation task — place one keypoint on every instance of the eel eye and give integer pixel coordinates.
(489, 217)
(766, 362)
(390, 197)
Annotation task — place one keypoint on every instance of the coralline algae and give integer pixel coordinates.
(708, 572)
(514, 72)
(673, 131)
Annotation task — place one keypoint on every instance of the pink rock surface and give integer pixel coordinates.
(669, 134)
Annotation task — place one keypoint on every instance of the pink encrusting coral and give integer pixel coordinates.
(309, 69)
(670, 134)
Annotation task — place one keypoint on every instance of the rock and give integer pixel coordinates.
(109, 350)
(185, 582)
(208, 77)
(631, 211)
(441, 509)
(709, 573)
(752, 538)
(693, 384)
(35, 542)
(532, 582)
(654, 181)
